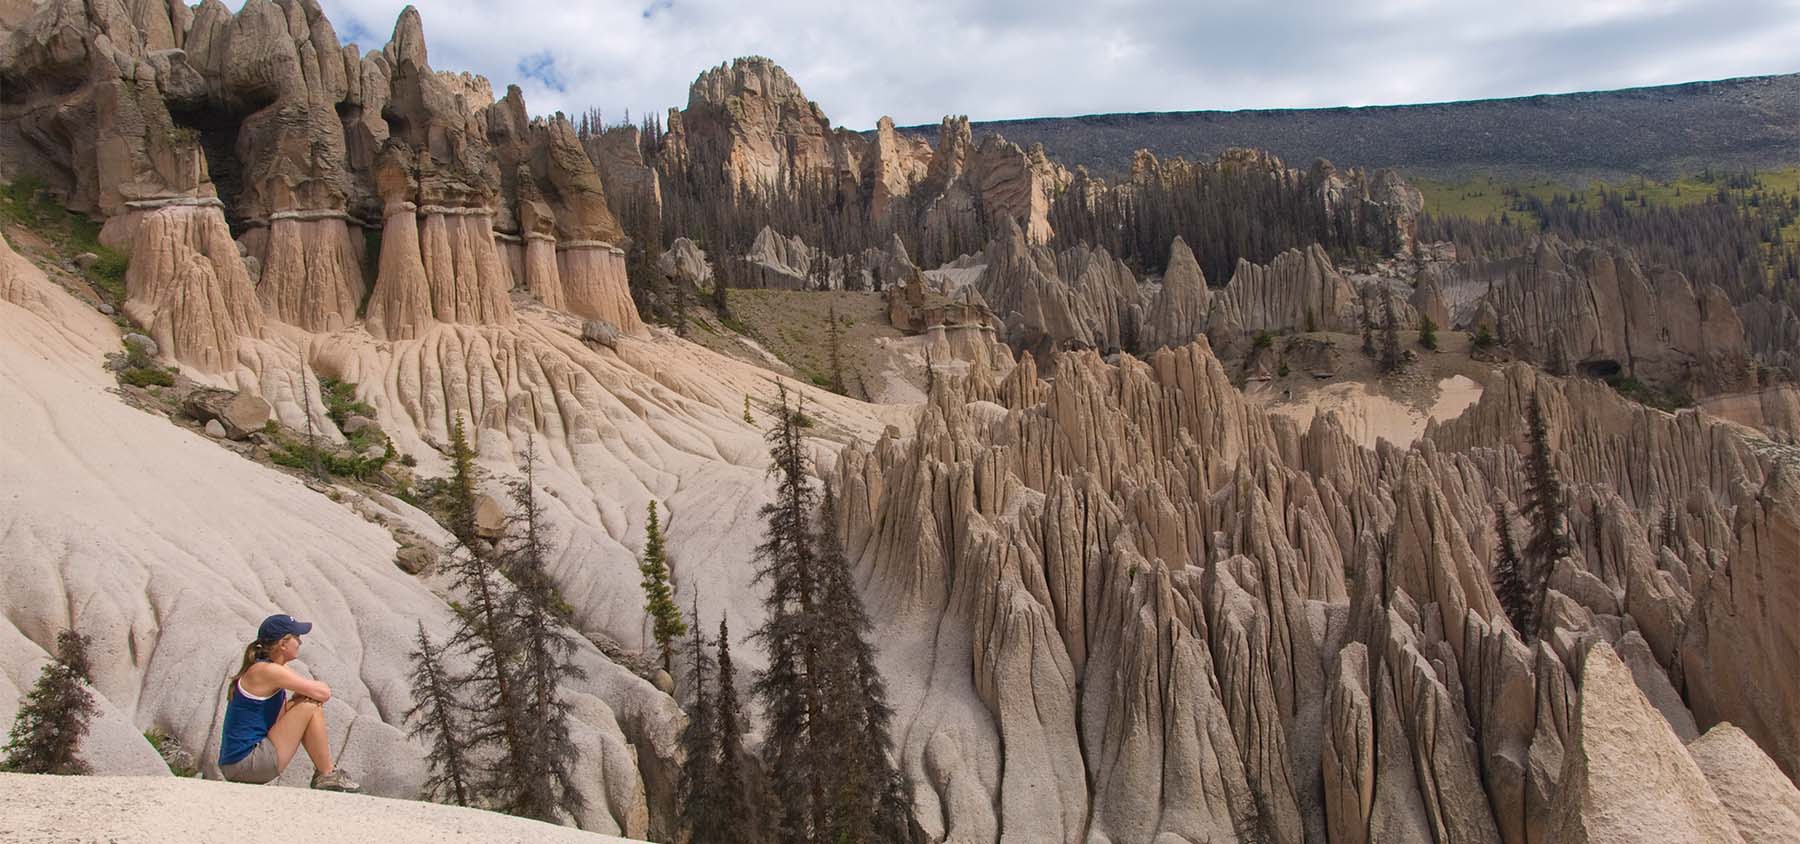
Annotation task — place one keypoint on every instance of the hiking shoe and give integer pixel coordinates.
(337, 780)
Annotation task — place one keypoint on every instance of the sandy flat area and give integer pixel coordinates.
(128, 810)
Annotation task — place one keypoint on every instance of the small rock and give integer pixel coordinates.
(106, 309)
(359, 423)
(246, 414)
(142, 343)
(215, 430)
(602, 332)
(490, 517)
(414, 559)
(374, 452)
(86, 260)
(663, 682)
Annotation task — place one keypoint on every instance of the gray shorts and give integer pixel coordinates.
(257, 768)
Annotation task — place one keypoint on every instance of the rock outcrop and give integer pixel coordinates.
(305, 148)
(1599, 310)
(1625, 776)
(747, 124)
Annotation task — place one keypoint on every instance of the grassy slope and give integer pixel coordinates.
(791, 325)
(1481, 197)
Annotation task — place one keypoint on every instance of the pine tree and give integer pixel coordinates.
(867, 800)
(459, 496)
(1509, 581)
(733, 779)
(1427, 333)
(834, 345)
(748, 420)
(1391, 356)
(659, 599)
(720, 300)
(46, 734)
(1546, 504)
(435, 720)
(698, 785)
(488, 634)
(542, 769)
(1366, 319)
(787, 686)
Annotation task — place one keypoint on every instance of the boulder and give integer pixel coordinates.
(214, 429)
(1625, 776)
(490, 517)
(357, 424)
(415, 559)
(1762, 802)
(86, 261)
(239, 414)
(143, 344)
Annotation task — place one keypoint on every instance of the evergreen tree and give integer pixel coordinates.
(537, 777)
(1391, 356)
(435, 720)
(720, 298)
(1546, 505)
(459, 496)
(659, 599)
(488, 634)
(868, 802)
(1427, 333)
(698, 786)
(1366, 319)
(834, 346)
(46, 734)
(787, 687)
(1509, 581)
(732, 777)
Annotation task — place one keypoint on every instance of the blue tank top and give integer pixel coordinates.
(247, 721)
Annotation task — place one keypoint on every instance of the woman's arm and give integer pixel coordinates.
(268, 676)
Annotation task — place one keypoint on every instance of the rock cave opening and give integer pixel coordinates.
(1601, 368)
(216, 129)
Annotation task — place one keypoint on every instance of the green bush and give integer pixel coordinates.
(1631, 388)
(1263, 340)
(1427, 333)
(341, 403)
(147, 376)
(1484, 338)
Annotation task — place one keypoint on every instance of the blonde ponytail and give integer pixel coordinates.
(253, 653)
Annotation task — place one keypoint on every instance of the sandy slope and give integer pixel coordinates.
(125, 810)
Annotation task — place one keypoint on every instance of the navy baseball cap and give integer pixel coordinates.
(276, 626)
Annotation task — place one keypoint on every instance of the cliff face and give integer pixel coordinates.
(310, 152)
(747, 124)
(1596, 307)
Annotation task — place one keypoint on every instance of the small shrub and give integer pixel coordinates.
(1263, 340)
(340, 401)
(1282, 371)
(147, 376)
(180, 761)
(1428, 333)
(1484, 339)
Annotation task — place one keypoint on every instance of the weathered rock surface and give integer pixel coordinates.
(1762, 802)
(1601, 311)
(1626, 777)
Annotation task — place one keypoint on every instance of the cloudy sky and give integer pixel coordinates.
(918, 60)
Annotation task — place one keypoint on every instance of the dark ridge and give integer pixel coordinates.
(1660, 132)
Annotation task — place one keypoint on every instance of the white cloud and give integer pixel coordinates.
(1003, 59)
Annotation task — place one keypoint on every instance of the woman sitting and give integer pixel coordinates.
(264, 724)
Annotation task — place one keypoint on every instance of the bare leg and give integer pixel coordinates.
(302, 724)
